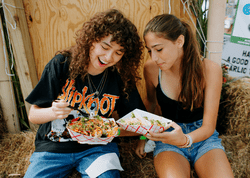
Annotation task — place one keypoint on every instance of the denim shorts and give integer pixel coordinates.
(47, 164)
(193, 153)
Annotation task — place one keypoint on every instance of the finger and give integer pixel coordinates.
(154, 138)
(156, 135)
(143, 155)
(137, 152)
(61, 103)
(167, 127)
(140, 153)
(174, 125)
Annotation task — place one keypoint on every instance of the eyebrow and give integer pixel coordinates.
(156, 45)
(122, 49)
(153, 46)
(106, 44)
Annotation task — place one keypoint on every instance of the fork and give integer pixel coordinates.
(82, 113)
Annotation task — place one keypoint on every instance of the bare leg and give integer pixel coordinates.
(213, 164)
(171, 164)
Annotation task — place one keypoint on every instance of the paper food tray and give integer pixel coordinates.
(142, 129)
(84, 139)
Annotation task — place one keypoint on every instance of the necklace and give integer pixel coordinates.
(99, 89)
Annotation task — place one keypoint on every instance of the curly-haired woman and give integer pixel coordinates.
(97, 75)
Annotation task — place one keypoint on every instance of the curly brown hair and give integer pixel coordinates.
(192, 72)
(124, 33)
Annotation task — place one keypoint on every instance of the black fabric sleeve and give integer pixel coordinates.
(50, 85)
(127, 105)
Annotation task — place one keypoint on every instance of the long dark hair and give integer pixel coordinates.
(191, 70)
(123, 31)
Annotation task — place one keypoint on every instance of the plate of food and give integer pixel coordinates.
(94, 130)
(141, 122)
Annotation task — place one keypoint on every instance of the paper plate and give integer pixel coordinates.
(84, 139)
(146, 118)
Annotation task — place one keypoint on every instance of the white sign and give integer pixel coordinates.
(236, 57)
(241, 28)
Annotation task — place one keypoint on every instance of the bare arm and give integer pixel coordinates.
(151, 77)
(58, 110)
(213, 75)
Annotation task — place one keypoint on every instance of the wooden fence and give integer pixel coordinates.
(45, 26)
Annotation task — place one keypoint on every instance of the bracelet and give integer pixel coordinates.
(190, 141)
(143, 138)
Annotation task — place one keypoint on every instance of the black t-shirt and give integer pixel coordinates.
(55, 83)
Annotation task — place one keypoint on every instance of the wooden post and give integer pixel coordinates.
(7, 96)
(22, 48)
(215, 32)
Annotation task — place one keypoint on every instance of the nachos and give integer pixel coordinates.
(94, 127)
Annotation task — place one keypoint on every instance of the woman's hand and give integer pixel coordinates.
(60, 109)
(140, 149)
(175, 137)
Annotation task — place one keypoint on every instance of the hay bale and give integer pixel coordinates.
(234, 111)
(15, 152)
(238, 153)
(234, 124)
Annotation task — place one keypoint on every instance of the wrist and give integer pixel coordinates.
(188, 142)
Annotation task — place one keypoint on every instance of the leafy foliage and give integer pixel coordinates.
(200, 9)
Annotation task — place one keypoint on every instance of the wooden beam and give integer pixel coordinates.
(215, 29)
(22, 48)
(7, 96)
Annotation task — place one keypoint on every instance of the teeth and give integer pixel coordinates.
(103, 61)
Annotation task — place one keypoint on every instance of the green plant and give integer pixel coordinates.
(200, 10)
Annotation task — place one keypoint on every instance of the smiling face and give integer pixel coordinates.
(104, 54)
(165, 53)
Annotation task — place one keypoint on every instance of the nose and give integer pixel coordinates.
(109, 56)
(154, 57)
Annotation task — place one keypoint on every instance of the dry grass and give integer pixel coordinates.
(3, 128)
(234, 111)
(15, 151)
(233, 124)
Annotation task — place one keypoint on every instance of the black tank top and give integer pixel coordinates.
(172, 109)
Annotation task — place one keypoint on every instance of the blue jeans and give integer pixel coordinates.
(198, 149)
(47, 164)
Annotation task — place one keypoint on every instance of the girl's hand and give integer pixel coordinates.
(60, 109)
(140, 149)
(175, 137)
